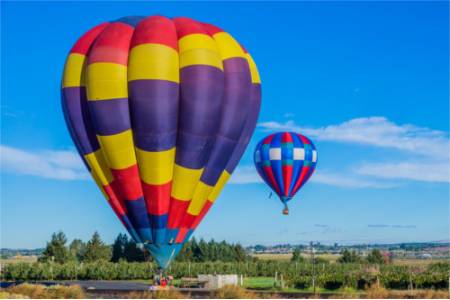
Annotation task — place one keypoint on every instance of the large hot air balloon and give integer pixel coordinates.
(285, 161)
(161, 111)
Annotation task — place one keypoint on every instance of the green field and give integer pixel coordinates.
(259, 283)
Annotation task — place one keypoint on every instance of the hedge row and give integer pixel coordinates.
(329, 276)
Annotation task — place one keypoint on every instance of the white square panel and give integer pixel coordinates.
(275, 153)
(299, 154)
(314, 156)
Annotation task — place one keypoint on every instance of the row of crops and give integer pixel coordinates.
(298, 275)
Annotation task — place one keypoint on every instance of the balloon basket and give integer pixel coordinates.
(286, 209)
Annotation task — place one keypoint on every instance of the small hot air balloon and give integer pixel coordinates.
(285, 161)
(161, 111)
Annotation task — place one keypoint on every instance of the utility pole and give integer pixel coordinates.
(314, 267)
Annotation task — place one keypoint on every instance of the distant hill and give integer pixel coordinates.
(7, 252)
(413, 246)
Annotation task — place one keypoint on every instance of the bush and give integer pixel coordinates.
(347, 293)
(333, 284)
(65, 292)
(232, 292)
(6, 295)
(301, 282)
(36, 291)
(376, 292)
(33, 291)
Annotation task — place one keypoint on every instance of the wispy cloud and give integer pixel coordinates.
(8, 111)
(61, 165)
(375, 131)
(348, 180)
(429, 172)
(431, 149)
(247, 174)
(320, 225)
(391, 226)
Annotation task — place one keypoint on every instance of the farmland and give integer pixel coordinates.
(284, 274)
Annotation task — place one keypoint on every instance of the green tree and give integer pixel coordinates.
(96, 249)
(56, 249)
(132, 252)
(297, 256)
(349, 257)
(240, 254)
(118, 248)
(77, 248)
(186, 253)
(375, 257)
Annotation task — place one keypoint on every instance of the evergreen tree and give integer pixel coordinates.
(349, 257)
(297, 256)
(186, 253)
(56, 249)
(202, 253)
(96, 249)
(118, 248)
(240, 254)
(77, 248)
(375, 257)
(133, 252)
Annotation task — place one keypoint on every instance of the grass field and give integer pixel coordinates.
(18, 259)
(259, 283)
(416, 262)
(332, 258)
(288, 256)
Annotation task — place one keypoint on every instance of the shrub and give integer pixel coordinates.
(33, 291)
(347, 293)
(300, 282)
(431, 294)
(6, 295)
(36, 291)
(65, 292)
(376, 292)
(333, 284)
(232, 292)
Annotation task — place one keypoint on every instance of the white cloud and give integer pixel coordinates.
(348, 180)
(427, 151)
(62, 165)
(248, 174)
(244, 175)
(430, 172)
(375, 131)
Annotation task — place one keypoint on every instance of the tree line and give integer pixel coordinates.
(374, 257)
(125, 249)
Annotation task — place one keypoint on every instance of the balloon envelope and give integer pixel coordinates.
(161, 111)
(285, 161)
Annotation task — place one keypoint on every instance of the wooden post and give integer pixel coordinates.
(314, 268)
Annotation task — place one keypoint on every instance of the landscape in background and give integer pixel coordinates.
(124, 269)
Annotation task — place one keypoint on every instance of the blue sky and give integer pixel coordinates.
(366, 81)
